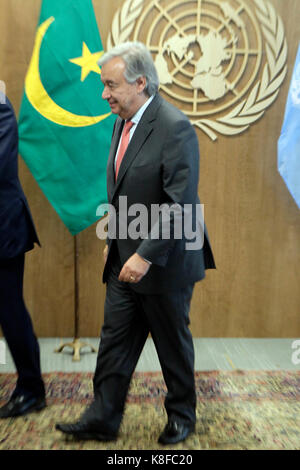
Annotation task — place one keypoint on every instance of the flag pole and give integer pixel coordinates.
(77, 344)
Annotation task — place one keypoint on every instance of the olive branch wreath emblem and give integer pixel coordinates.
(264, 92)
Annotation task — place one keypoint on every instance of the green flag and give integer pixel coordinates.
(64, 126)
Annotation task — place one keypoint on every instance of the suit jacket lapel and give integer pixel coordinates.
(111, 158)
(141, 133)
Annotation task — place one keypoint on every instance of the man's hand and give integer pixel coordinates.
(134, 269)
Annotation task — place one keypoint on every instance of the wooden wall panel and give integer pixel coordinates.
(254, 226)
(91, 289)
(253, 222)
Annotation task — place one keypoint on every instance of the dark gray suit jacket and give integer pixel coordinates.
(160, 166)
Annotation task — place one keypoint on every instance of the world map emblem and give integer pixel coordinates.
(222, 62)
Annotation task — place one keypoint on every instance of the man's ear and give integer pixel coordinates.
(141, 83)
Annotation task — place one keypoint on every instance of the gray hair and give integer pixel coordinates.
(138, 63)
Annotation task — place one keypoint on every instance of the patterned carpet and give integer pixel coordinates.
(235, 410)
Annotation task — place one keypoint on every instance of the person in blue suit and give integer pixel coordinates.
(17, 236)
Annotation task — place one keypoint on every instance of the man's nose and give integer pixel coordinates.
(105, 93)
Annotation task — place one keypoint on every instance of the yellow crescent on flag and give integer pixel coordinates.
(38, 96)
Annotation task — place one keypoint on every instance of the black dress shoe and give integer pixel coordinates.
(21, 405)
(175, 432)
(85, 431)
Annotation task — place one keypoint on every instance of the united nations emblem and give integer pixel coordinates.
(222, 62)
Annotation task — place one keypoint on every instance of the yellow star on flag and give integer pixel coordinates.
(87, 62)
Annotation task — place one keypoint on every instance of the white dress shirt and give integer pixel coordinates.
(135, 119)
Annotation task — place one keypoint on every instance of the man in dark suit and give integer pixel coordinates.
(150, 278)
(17, 235)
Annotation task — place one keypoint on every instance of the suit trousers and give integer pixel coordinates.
(18, 330)
(128, 319)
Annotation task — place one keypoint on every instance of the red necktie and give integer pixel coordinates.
(123, 146)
